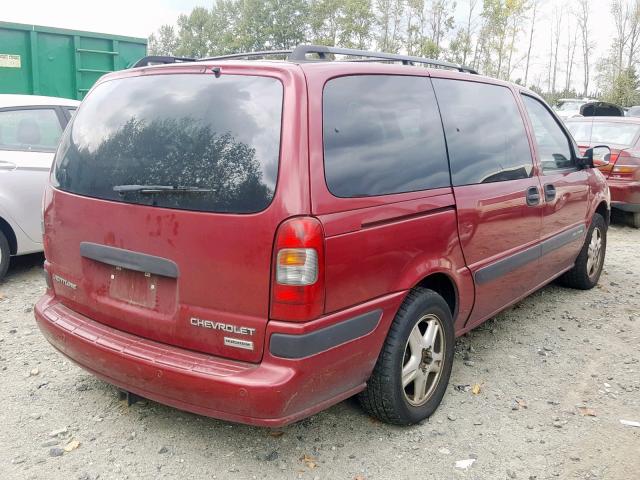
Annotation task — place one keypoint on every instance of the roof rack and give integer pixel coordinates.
(247, 55)
(160, 60)
(302, 53)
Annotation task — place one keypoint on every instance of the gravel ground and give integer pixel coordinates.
(556, 374)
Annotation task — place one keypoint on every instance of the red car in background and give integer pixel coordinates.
(622, 134)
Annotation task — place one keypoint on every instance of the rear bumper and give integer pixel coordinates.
(625, 195)
(275, 392)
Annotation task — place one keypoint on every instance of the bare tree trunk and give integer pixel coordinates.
(556, 40)
(533, 24)
(622, 18)
(582, 15)
(467, 49)
(634, 35)
(512, 44)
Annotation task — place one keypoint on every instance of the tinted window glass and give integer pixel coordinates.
(219, 137)
(485, 133)
(553, 145)
(382, 134)
(31, 129)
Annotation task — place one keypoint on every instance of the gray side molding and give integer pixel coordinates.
(509, 264)
(300, 346)
(140, 262)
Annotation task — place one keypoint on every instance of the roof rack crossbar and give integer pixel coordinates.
(300, 53)
(247, 55)
(161, 59)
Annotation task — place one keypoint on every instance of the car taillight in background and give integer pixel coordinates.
(297, 290)
(626, 166)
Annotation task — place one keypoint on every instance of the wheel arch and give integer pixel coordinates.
(604, 210)
(5, 228)
(444, 285)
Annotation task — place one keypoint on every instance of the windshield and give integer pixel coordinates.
(604, 133)
(212, 142)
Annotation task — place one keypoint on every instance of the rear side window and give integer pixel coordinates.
(207, 144)
(485, 132)
(382, 135)
(30, 130)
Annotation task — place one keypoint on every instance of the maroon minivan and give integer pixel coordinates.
(258, 240)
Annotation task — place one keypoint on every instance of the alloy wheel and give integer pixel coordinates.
(594, 253)
(423, 360)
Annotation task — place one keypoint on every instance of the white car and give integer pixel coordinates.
(570, 107)
(30, 128)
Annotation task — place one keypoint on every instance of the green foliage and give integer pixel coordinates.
(625, 89)
(164, 42)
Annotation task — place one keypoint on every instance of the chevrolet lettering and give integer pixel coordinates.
(198, 322)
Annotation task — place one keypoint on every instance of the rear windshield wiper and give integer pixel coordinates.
(122, 189)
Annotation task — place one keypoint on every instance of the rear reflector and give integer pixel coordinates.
(297, 289)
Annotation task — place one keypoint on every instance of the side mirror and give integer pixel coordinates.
(598, 156)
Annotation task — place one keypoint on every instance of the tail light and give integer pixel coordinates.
(626, 166)
(297, 289)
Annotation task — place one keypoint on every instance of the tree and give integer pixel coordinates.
(582, 17)
(572, 41)
(531, 30)
(634, 34)
(164, 42)
(356, 23)
(624, 89)
(622, 17)
(556, 28)
(193, 33)
(285, 21)
(441, 21)
(389, 18)
(501, 25)
(324, 23)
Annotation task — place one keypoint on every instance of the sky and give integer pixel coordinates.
(139, 18)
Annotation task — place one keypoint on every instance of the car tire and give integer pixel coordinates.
(5, 255)
(586, 272)
(634, 219)
(421, 340)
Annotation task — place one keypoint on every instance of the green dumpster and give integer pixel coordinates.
(60, 63)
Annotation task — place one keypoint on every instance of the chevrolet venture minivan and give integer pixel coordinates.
(258, 240)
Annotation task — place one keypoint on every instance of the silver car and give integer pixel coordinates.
(30, 128)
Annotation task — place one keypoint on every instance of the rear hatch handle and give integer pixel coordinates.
(119, 257)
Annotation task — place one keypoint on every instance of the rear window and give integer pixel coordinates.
(604, 132)
(186, 141)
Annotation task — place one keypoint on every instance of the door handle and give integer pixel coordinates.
(533, 196)
(7, 166)
(549, 192)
